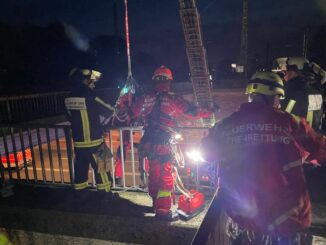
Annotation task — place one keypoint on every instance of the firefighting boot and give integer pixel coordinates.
(169, 217)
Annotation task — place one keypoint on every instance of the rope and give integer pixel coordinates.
(127, 39)
(178, 183)
(130, 85)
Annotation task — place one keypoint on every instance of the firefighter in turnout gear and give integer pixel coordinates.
(303, 93)
(160, 109)
(261, 151)
(84, 109)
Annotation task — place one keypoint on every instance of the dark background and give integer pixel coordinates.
(41, 40)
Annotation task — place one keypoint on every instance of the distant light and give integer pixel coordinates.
(195, 155)
(239, 69)
(177, 136)
(234, 65)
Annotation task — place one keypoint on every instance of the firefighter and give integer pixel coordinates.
(84, 109)
(160, 109)
(261, 150)
(303, 93)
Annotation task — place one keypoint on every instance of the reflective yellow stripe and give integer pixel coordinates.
(97, 99)
(163, 194)
(105, 178)
(290, 105)
(106, 183)
(81, 186)
(95, 158)
(85, 144)
(85, 122)
(104, 186)
(293, 164)
(310, 117)
(282, 218)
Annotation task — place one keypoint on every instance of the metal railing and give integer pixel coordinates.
(36, 154)
(43, 154)
(115, 139)
(15, 109)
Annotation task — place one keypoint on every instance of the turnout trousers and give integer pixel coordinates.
(84, 157)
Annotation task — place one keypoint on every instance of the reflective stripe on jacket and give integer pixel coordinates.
(308, 101)
(84, 109)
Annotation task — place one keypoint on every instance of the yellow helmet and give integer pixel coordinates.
(88, 74)
(296, 63)
(266, 83)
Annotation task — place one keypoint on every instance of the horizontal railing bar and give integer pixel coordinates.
(29, 96)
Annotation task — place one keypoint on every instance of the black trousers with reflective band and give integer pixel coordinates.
(84, 157)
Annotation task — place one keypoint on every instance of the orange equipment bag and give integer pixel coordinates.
(192, 204)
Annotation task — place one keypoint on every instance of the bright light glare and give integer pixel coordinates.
(195, 155)
(234, 65)
(177, 136)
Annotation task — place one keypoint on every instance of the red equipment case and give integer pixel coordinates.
(191, 205)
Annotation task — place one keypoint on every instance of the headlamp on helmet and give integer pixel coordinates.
(266, 83)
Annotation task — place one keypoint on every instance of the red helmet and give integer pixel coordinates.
(162, 73)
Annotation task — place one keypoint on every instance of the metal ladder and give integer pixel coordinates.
(196, 54)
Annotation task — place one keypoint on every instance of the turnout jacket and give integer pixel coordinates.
(84, 109)
(308, 100)
(261, 151)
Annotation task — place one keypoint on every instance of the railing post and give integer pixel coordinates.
(59, 155)
(8, 111)
(2, 172)
(132, 157)
(47, 130)
(122, 159)
(22, 143)
(69, 154)
(5, 143)
(112, 159)
(31, 146)
(39, 142)
(14, 149)
(55, 103)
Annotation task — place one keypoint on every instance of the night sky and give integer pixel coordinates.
(155, 26)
